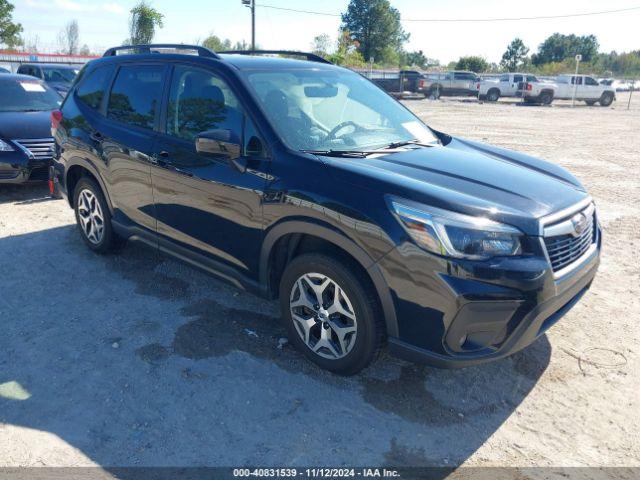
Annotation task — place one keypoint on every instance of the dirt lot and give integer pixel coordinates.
(136, 360)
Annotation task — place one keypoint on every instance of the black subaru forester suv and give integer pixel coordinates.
(303, 181)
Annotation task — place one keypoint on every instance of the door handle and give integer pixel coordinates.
(159, 158)
(96, 136)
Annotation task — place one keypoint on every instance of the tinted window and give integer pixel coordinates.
(590, 81)
(136, 94)
(200, 101)
(27, 95)
(464, 76)
(517, 78)
(504, 78)
(59, 74)
(93, 87)
(576, 80)
(531, 78)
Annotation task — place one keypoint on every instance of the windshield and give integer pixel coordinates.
(27, 96)
(334, 110)
(60, 74)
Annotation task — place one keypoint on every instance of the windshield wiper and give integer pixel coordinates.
(406, 143)
(341, 153)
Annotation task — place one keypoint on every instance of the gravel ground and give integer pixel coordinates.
(137, 360)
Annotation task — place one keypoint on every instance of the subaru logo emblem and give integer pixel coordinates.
(579, 222)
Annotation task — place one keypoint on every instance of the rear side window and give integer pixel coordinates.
(93, 87)
(135, 96)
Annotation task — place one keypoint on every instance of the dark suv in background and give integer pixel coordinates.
(303, 181)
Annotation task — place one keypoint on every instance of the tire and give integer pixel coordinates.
(435, 92)
(546, 98)
(93, 217)
(343, 338)
(493, 95)
(606, 99)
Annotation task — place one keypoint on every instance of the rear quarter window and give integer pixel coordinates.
(135, 96)
(93, 86)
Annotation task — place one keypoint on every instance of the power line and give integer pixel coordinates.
(433, 20)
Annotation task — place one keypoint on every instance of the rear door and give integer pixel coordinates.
(126, 140)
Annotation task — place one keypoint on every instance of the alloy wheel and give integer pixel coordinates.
(90, 216)
(323, 316)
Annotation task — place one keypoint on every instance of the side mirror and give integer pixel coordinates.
(220, 143)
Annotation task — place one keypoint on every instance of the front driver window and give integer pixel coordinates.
(200, 101)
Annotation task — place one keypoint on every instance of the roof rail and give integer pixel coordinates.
(311, 57)
(202, 51)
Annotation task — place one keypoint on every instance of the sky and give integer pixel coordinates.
(104, 23)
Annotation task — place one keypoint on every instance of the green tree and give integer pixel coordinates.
(376, 26)
(143, 22)
(321, 45)
(515, 56)
(9, 31)
(473, 63)
(418, 59)
(346, 51)
(558, 48)
(213, 42)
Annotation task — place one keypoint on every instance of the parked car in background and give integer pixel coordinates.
(59, 77)
(586, 89)
(454, 83)
(537, 91)
(398, 82)
(506, 85)
(26, 145)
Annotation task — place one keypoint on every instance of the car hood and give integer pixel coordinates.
(25, 125)
(468, 177)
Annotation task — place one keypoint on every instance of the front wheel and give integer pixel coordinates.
(493, 95)
(606, 99)
(94, 218)
(331, 313)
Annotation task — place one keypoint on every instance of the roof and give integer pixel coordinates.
(258, 62)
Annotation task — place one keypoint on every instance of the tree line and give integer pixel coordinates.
(370, 33)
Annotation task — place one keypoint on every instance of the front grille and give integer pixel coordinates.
(566, 248)
(41, 149)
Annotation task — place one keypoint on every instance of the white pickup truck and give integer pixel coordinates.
(586, 89)
(506, 85)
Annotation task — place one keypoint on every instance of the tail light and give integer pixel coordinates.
(478, 86)
(421, 83)
(529, 87)
(56, 119)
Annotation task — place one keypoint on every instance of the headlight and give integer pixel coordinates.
(5, 147)
(456, 235)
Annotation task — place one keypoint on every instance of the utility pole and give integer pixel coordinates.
(252, 5)
(575, 80)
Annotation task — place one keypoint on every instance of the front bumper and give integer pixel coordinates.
(454, 313)
(17, 168)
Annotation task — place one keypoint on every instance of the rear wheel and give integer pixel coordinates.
(606, 99)
(435, 92)
(94, 218)
(493, 95)
(331, 313)
(546, 98)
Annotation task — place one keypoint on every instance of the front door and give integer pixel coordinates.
(127, 138)
(205, 204)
